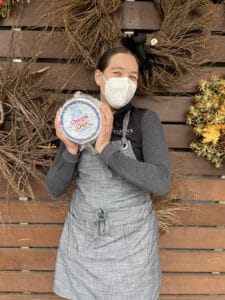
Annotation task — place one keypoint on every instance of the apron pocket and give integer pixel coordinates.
(76, 246)
(140, 241)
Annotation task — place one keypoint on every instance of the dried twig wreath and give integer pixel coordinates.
(177, 48)
(26, 135)
(207, 116)
(6, 6)
(91, 27)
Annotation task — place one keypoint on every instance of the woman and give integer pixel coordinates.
(108, 248)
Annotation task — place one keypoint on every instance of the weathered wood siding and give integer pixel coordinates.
(192, 254)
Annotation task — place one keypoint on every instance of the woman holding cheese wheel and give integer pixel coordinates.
(108, 248)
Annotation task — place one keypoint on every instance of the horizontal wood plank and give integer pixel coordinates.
(188, 163)
(142, 15)
(11, 296)
(204, 189)
(192, 297)
(41, 44)
(54, 297)
(202, 215)
(36, 282)
(55, 45)
(32, 211)
(162, 105)
(34, 14)
(171, 261)
(77, 77)
(30, 235)
(193, 238)
(193, 284)
(48, 236)
(50, 211)
(172, 283)
(27, 259)
(178, 136)
(136, 15)
(16, 211)
(192, 261)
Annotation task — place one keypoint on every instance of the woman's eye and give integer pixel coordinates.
(117, 73)
(133, 78)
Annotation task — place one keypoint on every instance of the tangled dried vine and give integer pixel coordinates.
(180, 45)
(26, 136)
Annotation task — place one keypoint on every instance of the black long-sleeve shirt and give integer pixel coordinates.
(150, 171)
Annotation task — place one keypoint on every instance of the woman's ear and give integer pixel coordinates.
(98, 77)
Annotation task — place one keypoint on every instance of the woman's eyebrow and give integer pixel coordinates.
(120, 68)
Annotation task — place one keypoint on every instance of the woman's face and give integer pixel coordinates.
(120, 65)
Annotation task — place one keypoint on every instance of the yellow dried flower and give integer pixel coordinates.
(211, 134)
(207, 117)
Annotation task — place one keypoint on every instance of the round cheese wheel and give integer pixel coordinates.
(80, 120)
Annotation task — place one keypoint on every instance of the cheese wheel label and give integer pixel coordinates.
(80, 120)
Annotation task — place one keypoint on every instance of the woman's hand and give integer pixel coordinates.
(104, 136)
(71, 146)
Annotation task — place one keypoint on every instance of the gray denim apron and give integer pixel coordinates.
(108, 249)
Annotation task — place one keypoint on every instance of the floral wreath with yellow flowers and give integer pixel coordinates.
(207, 116)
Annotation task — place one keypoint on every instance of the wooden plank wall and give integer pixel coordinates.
(192, 254)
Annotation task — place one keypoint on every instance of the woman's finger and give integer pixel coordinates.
(56, 121)
(107, 117)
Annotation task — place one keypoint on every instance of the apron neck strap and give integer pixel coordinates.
(125, 126)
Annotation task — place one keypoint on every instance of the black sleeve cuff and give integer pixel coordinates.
(69, 157)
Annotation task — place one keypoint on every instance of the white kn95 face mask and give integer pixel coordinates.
(119, 91)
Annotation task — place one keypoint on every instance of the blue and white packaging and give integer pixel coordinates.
(80, 118)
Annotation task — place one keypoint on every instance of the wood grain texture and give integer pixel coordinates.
(30, 235)
(77, 77)
(27, 259)
(193, 284)
(48, 236)
(172, 283)
(136, 15)
(36, 259)
(16, 211)
(55, 45)
(204, 189)
(11, 296)
(193, 238)
(192, 297)
(188, 163)
(36, 282)
(192, 261)
(47, 212)
(202, 215)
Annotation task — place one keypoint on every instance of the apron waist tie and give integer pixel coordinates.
(102, 218)
(101, 221)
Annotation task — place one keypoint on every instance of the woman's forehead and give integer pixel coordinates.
(123, 61)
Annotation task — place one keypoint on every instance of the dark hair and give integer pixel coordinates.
(103, 61)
